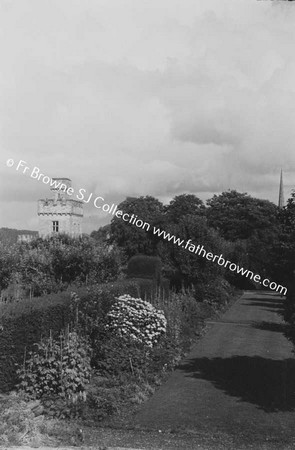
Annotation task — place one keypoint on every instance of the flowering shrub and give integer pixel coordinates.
(136, 319)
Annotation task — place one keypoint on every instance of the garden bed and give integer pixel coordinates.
(113, 395)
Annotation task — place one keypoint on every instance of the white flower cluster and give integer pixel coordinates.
(137, 319)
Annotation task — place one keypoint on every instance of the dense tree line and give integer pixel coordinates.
(248, 231)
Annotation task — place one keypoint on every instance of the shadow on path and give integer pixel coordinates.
(269, 304)
(267, 383)
(271, 326)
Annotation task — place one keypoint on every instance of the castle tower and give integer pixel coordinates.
(60, 214)
(281, 192)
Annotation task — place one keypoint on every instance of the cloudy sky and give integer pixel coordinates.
(149, 97)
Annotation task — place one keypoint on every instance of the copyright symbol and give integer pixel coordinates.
(9, 162)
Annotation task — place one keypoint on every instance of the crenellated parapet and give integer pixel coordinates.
(60, 214)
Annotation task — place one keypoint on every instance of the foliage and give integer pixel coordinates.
(8, 260)
(82, 259)
(217, 292)
(59, 366)
(246, 229)
(109, 395)
(143, 266)
(23, 323)
(182, 265)
(285, 248)
(121, 357)
(183, 205)
(253, 225)
(89, 309)
(35, 270)
(239, 216)
(102, 399)
(9, 236)
(148, 288)
(136, 319)
(138, 241)
(49, 265)
(287, 214)
(129, 237)
(102, 235)
(107, 266)
(285, 265)
(184, 316)
(237, 252)
(114, 356)
(128, 359)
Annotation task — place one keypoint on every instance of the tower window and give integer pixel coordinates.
(55, 226)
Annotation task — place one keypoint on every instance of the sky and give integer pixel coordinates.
(149, 97)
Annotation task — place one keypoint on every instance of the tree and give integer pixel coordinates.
(183, 205)
(182, 264)
(239, 216)
(102, 235)
(131, 238)
(8, 261)
(285, 247)
(84, 259)
(285, 253)
(35, 270)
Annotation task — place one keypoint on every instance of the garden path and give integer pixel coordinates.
(238, 381)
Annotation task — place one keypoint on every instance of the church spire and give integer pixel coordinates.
(281, 192)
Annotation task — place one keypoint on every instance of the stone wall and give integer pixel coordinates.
(67, 212)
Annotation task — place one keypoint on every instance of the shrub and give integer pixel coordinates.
(215, 292)
(118, 357)
(89, 308)
(106, 266)
(59, 366)
(136, 319)
(143, 266)
(128, 362)
(185, 316)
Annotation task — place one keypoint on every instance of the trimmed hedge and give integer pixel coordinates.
(23, 326)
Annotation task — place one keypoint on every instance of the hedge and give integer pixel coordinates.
(24, 325)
